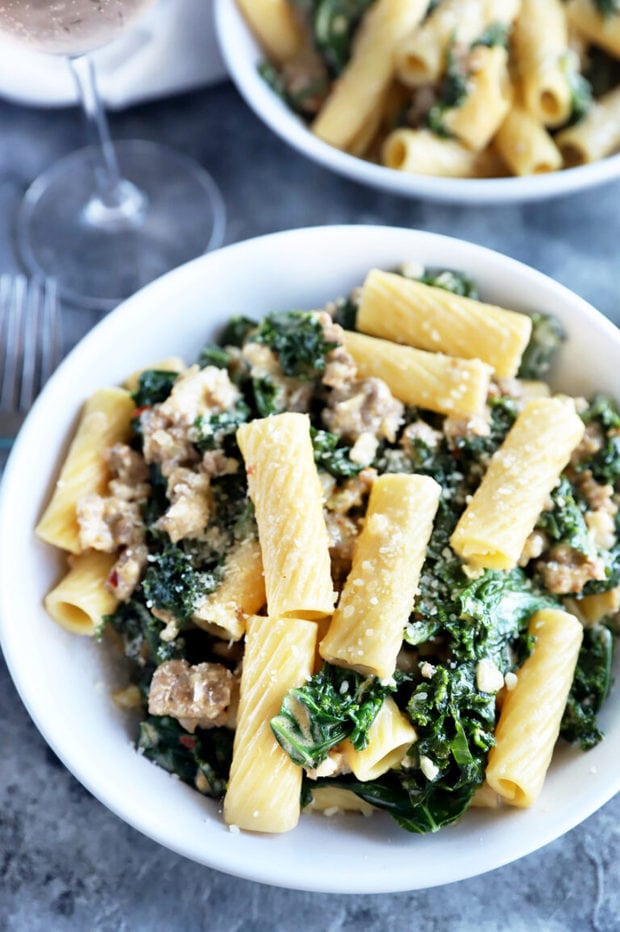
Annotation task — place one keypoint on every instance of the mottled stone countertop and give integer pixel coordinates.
(66, 863)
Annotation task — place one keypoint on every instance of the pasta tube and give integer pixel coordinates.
(240, 594)
(367, 78)
(427, 380)
(406, 311)
(603, 29)
(529, 723)
(421, 152)
(104, 421)
(525, 145)
(596, 135)
(366, 631)
(389, 738)
(541, 47)
(286, 491)
(264, 786)
(420, 59)
(80, 600)
(493, 529)
(274, 24)
(488, 99)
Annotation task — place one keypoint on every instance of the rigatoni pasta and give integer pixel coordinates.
(483, 87)
(408, 311)
(278, 458)
(341, 567)
(265, 785)
(529, 722)
(494, 527)
(366, 631)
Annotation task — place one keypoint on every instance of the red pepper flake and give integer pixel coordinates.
(138, 411)
(188, 742)
(113, 579)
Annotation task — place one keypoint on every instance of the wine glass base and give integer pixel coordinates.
(98, 256)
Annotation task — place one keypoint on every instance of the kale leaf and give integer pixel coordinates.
(455, 724)
(265, 394)
(140, 632)
(607, 7)
(154, 386)
(494, 611)
(236, 331)
(345, 313)
(331, 457)
(565, 522)
(214, 355)
(450, 280)
(334, 25)
(219, 430)
(453, 91)
(579, 87)
(605, 463)
(175, 582)
(493, 35)
(546, 337)
(590, 687)
(296, 337)
(209, 752)
(333, 705)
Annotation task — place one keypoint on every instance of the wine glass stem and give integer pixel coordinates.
(116, 202)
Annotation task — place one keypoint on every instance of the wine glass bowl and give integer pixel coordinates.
(107, 219)
(68, 27)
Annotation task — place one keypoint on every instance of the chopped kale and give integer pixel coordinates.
(604, 411)
(346, 313)
(233, 509)
(296, 337)
(265, 394)
(164, 741)
(455, 724)
(332, 457)
(605, 463)
(214, 355)
(590, 687)
(607, 7)
(579, 87)
(565, 521)
(156, 504)
(451, 280)
(333, 705)
(453, 91)
(140, 633)
(474, 448)
(546, 337)
(334, 25)
(154, 386)
(175, 582)
(302, 100)
(236, 331)
(219, 430)
(602, 71)
(495, 34)
(493, 614)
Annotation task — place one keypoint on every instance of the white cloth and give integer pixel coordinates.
(171, 49)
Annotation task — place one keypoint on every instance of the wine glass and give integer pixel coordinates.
(109, 218)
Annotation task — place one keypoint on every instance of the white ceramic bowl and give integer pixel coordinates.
(242, 57)
(63, 679)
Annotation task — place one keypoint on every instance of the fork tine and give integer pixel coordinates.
(11, 289)
(50, 330)
(28, 296)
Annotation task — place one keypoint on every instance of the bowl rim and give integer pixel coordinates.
(240, 53)
(133, 313)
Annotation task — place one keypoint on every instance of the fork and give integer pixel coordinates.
(29, 346)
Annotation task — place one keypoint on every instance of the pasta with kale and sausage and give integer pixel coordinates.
(453, 88)
(331, 597)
